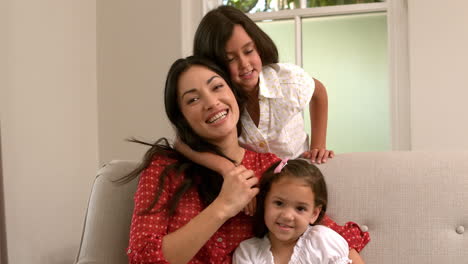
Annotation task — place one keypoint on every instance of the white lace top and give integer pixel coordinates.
(318, 245)
(285, 91)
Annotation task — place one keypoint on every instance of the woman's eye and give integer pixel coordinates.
(218, 87)
(249, 51)
(192, 100)
(229, 60)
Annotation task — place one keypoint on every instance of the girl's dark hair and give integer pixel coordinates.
(215, 29)
(297, 168)
(194, 173)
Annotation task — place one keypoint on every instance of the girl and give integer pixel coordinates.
(292, 198)
(277, 93)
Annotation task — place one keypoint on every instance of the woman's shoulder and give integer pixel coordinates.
(164, 159)
(158, 164)
(258, 161)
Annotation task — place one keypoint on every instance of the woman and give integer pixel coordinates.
(186, 213)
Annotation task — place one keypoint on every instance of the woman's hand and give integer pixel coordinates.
(318, 155)
(237, 190)
(251, 207)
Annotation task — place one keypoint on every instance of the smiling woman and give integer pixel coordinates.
(184, 212)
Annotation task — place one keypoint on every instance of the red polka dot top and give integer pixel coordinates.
(147, 230)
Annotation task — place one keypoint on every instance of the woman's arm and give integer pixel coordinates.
(237, 190)
(150, 241)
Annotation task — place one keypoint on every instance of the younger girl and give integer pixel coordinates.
(292, 198)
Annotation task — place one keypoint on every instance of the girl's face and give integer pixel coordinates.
(244, 62)
(289, 209)
(208, 104)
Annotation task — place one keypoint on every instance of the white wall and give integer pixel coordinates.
(77, 78)
(137, 43)
(49, 125)
(438, 41)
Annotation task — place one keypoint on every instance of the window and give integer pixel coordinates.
(349, 46)
(256, 6)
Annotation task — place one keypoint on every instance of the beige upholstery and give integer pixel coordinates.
(412, 203)
(107, 222)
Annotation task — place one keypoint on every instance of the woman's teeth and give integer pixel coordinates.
(217, 117)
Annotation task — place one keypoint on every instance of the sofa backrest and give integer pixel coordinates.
(414, 205)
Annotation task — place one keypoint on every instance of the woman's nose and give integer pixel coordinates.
(210, 101)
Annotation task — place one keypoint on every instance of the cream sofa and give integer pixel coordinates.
(414, 204)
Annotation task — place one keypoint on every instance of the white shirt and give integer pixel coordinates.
(284, 91)
(318, 245)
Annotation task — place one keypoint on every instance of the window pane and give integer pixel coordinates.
(348, 54)
(254, 6)
(282, 33)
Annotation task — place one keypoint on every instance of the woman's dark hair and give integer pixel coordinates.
(215, 29)
(297, 168)
(194, 173)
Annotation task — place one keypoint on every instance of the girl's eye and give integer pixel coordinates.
(277, 203)
(249, 51)
(301, 209)
(229, 60)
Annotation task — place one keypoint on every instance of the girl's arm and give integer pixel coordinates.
(355, 257)
(206, 159)
(318, 108)
(213, 162)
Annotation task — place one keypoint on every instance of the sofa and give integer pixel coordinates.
(414, 205)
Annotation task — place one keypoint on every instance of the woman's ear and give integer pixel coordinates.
(315, 214)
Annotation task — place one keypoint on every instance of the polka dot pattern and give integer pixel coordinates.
(350, 232)
(285, 91)
(148, 229)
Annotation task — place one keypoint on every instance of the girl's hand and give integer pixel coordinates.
(318, 155)
(237, 190)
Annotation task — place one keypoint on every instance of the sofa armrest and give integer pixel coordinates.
(107, 222)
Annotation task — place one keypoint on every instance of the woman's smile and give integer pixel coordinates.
(218, 117)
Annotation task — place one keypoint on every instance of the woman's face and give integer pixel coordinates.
(208, 104)
(244, 62)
